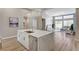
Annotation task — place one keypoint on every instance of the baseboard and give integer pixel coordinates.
(9, 37)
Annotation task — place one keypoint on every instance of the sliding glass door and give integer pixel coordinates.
(68, 22)
(63, 22)
(58, 25)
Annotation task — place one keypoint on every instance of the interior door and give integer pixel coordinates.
(43, 24)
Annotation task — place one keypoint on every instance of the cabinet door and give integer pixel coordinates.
(33, 43)
(26, 40)
(21, 38)
(39, 22)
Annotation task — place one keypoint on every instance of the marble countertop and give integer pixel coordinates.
(36, 33)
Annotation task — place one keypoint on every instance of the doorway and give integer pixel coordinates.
(58, 25)
(43, 24)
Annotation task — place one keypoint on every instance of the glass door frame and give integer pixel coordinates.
(64, 19)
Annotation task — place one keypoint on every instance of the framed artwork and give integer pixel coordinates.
(13, 21)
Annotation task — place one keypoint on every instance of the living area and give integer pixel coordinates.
(38, 29)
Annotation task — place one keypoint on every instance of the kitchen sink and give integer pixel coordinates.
(29, 31)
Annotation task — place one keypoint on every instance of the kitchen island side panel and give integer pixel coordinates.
(46, 43)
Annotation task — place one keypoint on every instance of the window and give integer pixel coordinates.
(68, 22)
(68, 16)
(58, 25)
(63, 21)
(58, 17)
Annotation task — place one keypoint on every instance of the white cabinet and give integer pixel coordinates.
(27, 41)
(33, 43)
(23, 38)
(44, 43)
(32, 23)
(39, 40)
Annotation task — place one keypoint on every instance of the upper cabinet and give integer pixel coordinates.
(33, 20)
(39, 22)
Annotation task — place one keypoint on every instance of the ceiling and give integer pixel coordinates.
(37, 9)
(46, 12)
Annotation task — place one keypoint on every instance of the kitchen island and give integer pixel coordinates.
(36, 40)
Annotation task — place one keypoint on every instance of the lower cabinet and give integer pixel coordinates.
(44, 43)
(23, 38)
(29, 42)
(33, 43)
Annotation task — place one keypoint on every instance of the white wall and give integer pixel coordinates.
(5, 13)
(1, 26)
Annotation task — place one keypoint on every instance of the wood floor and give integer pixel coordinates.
(11, 45)
(63, 42)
